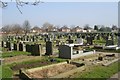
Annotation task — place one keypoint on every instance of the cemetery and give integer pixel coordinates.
(59, 40)
(38, 56)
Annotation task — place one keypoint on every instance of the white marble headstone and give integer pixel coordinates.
(80, 41)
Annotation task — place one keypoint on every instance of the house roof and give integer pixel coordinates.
(77, 27)
(35, 28)
(65, 27)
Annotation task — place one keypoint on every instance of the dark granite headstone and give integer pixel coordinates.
(28, 48)
(15, 46)
(20, 47)
(36, 49)
(49, 48)
(89, 40)
(2, 43)
(8, 45)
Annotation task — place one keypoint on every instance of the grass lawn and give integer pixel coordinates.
(100, 42)
(99, 71)
(14, 53)
(6, 72)
(0, 71)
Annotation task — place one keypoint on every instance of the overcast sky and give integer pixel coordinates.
(63, 13)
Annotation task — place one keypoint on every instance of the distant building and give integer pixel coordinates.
(36, 30)
(64, 29)
(84, 30)
(77, 29)
(51, 29)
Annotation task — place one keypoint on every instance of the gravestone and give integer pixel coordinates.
(27, 39)
(80, 41)
(9, 46)
(20, 46)
(109, 41)
(16, 47)
(28, 48)
(2, 43)
(98, 37)
(12, 46)
(32, 49)
(49, 48)
(57, 42)
(24, 47)
(36, 49)
(69, 37)
(89, 40)
(33, 39)
(118, 39)
(5, 44)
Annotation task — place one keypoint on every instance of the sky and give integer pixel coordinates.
(63, 13)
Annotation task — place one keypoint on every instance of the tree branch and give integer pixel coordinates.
(19, 3)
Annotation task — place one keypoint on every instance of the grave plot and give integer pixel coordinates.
(32, 65)
(49, 71)
(104, 59)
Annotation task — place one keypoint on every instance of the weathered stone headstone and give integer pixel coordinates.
(12, 46)
(5, 44)
(80, 41)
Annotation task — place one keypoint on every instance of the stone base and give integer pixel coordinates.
(115, 47)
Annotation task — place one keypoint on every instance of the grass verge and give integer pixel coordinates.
(99, 71)
(14, 53)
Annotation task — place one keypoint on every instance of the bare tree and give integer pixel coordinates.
(47, 26)
(86, 27)
(114, 27)
(6, 29)
(19, 3)
(26, 27)
(16, 29)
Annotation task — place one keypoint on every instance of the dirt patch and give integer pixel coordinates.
(32, 65)
(52, 71)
